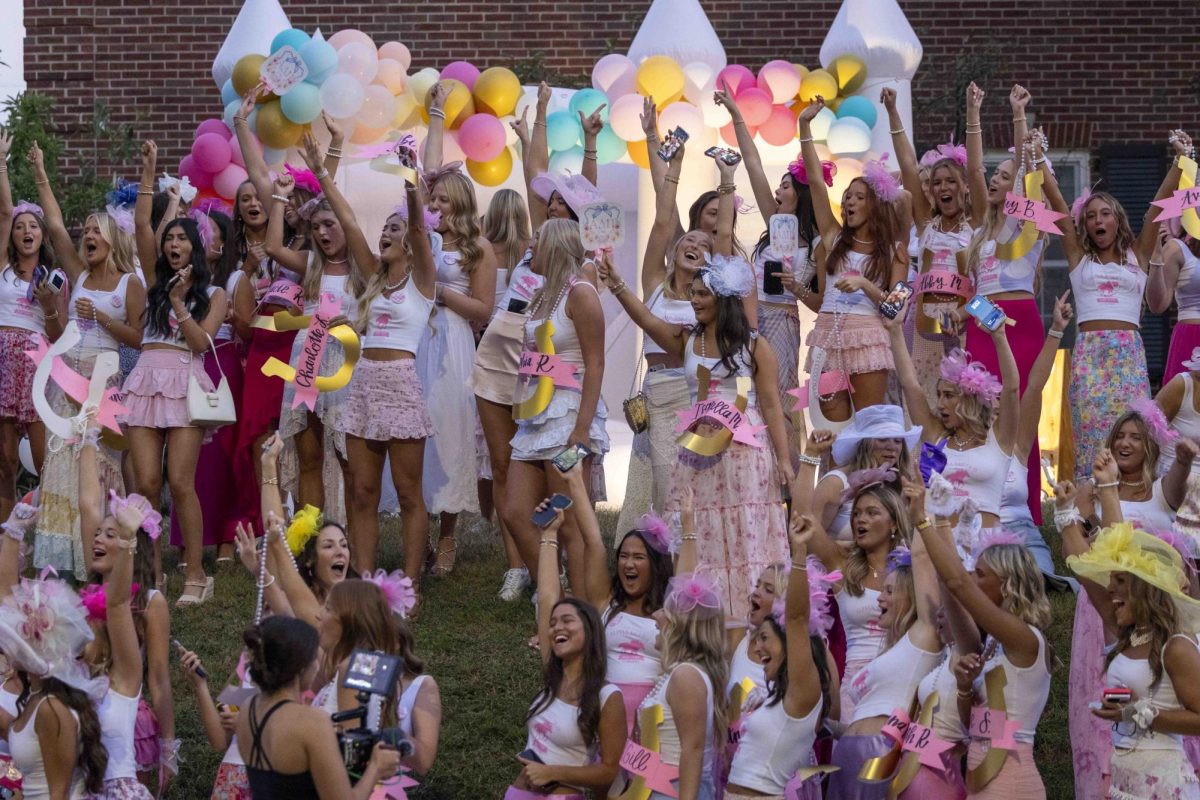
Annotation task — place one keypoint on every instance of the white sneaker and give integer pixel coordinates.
(515, 581)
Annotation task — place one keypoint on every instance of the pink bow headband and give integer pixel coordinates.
(876, 175)
(1156, 421)
(121, 217)
(971, 377)
(397, 589)
(96, 602)
(26, 207)
(655, 532)
(304, 179)
(691, 592)
(863, 479)
(995, 537)
(151, 518)
(948, 151)
(797, 170)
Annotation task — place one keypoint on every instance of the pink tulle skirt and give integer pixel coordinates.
(855, 343)
(146, 750)
(156, 390)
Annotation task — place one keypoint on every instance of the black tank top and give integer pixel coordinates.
(265, 783)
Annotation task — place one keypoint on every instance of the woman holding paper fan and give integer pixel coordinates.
(866, 258)
(106, 303)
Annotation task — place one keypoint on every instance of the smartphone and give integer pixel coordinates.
(39, 275)
(57, 280)
(544, 517)
(772, 282)
(569, 457)
(900, 293)
(670, 145)
(200, 671)
(1118, 695)
(517, 306)
(986, 312)
(728, 156)
(529, 754)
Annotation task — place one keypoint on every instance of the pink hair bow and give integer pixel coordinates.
(26, 207)
(996, 537)
(304, 178)
(151, 518)
(863, 479)
(691, 592)
(121, 217)
(655, 531)
(397, 588)
(1156, 421)
(798, 171)
(432, 218)
(971, 376)
(96, 602)
(952, 152)
(881, 180)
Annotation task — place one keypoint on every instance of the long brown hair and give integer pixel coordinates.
(856, 568)
(93, 756)
(595, 666)
(1153, 608)
(884, 226)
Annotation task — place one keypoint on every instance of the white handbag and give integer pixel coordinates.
(210, 408)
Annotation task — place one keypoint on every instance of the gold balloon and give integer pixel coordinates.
(850, 72)
(246, 73)
(458, 106)
(494, 172)
(497, 91)
(818, 82)
(407, 113)
(364, 135)
(661, 78)
(639, 153)
(274, 129)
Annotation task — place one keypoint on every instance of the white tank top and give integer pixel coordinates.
(676, 312)
(668, 735)
(994, 275)
(1186, 422)
(799, 264)
(860, 619)
(16, 310)
(1026, 691)
(339, 287)
(1135, 674)
(110, 303)
(726, 380)
(565, 338)
(1014, 503)
(856, 302)
(979, 473)
(1151, 515)
(8, 704)
(521, 285)
(225, 333)
(27, 757)
(1110, 292)
(741, 666)
(947, 724)
(175, 337)
(839, 529)
(1187, 286)
(397, 321)
(554, 733)
(450, 274)
(890, 681)
(117, 715)
(773, 746)
(633, 655)
(944, 244)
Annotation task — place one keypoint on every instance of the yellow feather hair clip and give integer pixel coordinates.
(304, 525)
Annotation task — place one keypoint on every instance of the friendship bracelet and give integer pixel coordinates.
(812, 461)
(237, 119)
(589, 154)
(965, 693)
(538, 124)
(437, 112)
(270, 481)
(279, 197)
(1054, 333)
(1154, 263)
(897, 131)
(42, 182)
(1109, 485)
(724, 190)
(324, 173)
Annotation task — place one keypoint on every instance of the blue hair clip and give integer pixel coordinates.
(124, 195)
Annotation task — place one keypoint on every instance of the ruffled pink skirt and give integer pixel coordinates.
(16, 375)
(122, 789)
(146, 749)
(156, 390)
(385, 401)
(855, 343)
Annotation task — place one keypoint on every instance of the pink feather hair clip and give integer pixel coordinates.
(820, 615)
(151, 518)
(1156, 421)
(800, 173)
(121, 217)
(693, 593)
(96, 603)
(971, 376)
(655, 532)
(26, 207)
(432, 218)
(863, 479)
(994, 537)
(1079, 204)
(885, 185)
(304, 178)
(948, 151)
(397, 589)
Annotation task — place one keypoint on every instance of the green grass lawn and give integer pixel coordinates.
(474, 645)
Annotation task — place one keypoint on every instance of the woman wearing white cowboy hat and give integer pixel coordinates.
(1178, 399)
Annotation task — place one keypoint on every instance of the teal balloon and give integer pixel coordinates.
(273, 157)
(860, 108)
(569, 161)
(562, 130)
(232, 108)
(292, 37)
(586, 101)
(609, 146)
(321, 60)
(229, 94)
(302, 103)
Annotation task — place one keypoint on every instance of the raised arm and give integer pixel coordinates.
(256, 166)
(914, 393)
(422, 267)
(726, 209)
(1075, 543)
(337, 137)
(1174, 483)
(658, 167)
(925, 577)
(1181, 145)
(766, 385)
(304, 604)
(537, 157)
(6, 198)
(764, 195)
(56, 227)
(432, 159)
(592, 126)
(356, 242)
(126, 671)
(654, 261)
(1010, 392)
(144, 236)
(276, 247)
(976, 174)
(585, 311)
(906, 156)
(827, 223)
(1031, 402)
(803, 691)
(597, 582)
(549, 590)
(1070, 237)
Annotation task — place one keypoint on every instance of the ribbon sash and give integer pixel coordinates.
(881, 768)
(943, 281)
(305, 376)
(639, 788)
(1184, 201)
(87, 392)
(727, 414)
(715, 443)
(1027, 210)
(1024, 242)
(994, 726)
(941, 285)
(648, 765)
(543, 391)
(538, 365)
(994, 683)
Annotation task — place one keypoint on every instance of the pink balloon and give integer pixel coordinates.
(211, 152)
(730, 135)
(481, 137)
(199, 178)
(780, 127)
(227, 181)
(391, 75)
(348, 35)
(780, 79)
(235, 149)
(397, 52)
(212, 126)
(462, 71)
(755, 105)
(737, 78)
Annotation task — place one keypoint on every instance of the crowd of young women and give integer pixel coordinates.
(859, 612)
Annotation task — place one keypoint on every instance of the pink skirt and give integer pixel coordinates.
(1184, 339)
(146, 749)
(861, 345)
(385, 402)
(16, 375)
(122, 789)
(156, 390)
(231, 783)
(1018, 778)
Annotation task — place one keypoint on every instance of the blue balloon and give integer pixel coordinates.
(231, 109)
(273, 157)
(567, 161)
(860, 108)
(229, 94)
(292, 37)
(609, 146)
(562, 130)
(321, 60)
(586, 101)
(302, 103)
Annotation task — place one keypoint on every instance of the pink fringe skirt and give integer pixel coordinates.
(156, 390)
(16, 375)
(856, 343)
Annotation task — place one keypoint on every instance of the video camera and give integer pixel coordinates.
(369, 673)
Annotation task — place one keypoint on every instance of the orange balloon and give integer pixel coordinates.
(364, 135)
(639, 153)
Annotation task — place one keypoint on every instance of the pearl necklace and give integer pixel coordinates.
(1139, 638)
(959, 443)
(338, 263)
(862, 241)
(388, 288)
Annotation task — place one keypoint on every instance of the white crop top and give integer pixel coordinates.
(554, 733)
(1026, 690)
(450, 274)
(979, 473)
(994, 275)
(856, 302)
(890, 681)
(1014, 503)
(860, 619)
(941, 243)
(225, 332)
(668, 735)
(947, 724)
(1186, 423)
(339, 287)
(839, 529)
(800, 267)
(396, 321)
(1150, 515)
(741, 666)
(1134, 673)
(1110, 292)
(16, 309)
(110, 303)
(175, 338)
(1187, 285)
(773, 746)
(725, 381)
(633, 656)
(676, 312)
(117, 715)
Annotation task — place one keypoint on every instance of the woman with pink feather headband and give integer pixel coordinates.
(866, 258)
(106, 303)
(1175, 275)
(28, 312)
(1108, 280)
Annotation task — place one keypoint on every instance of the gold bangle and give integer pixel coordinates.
(270, 481)
(923, 524)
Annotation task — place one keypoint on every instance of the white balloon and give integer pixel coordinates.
(821, 124)
(256, 25)
(849, 136)
(715, 116)
(680, 115)
(696, 79)
(342, 96)
(25, 453)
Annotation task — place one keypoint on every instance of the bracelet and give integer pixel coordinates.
(434, 112)
(270, 481)
(809, 139)
(279, 197)
(812, 461)
(964, 693)
(106, 323)
(537, 124)
(1037, 162)
(323, 174)
(145, 191)
(589, 154)
(724, 190)
(552, 542)
(1018, 119)
(1154, 263)
(1054, 333)
(1109, 485)
(42, 182)
(128, 544)
(1067, 517)
(671, 179)
(48, 316)
(897, 131)
(923, 524)
(182, 320)
(616, 290)
(974, 131)
(238, 118)
(333, 151)
(688, 537)
(266, 584)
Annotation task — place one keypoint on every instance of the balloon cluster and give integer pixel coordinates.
(215, 165)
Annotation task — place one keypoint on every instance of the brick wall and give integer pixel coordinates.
(1108, 71)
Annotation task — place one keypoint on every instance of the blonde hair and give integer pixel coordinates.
(563, 257)
(1125, 238)
(463, 220)
(120, 243)
(964, 189)
(1150, 607)
(904, 586)
(976, 414)
(506, 225)
(989, 228)
(1022, 584)
(669, 280)
(312, 276)
(1150, 463)
(699, 640)
(856, 568)
(377, 281)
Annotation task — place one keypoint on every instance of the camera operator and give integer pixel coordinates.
(290, 749)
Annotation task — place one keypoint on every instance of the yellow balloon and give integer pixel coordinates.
(817, 82)
(850, 72)
(407, 113)
(459, 104)
(274, 129)
(639, 153)
(661, 78)
(246, 73)
(494, 172)
(497, 91)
